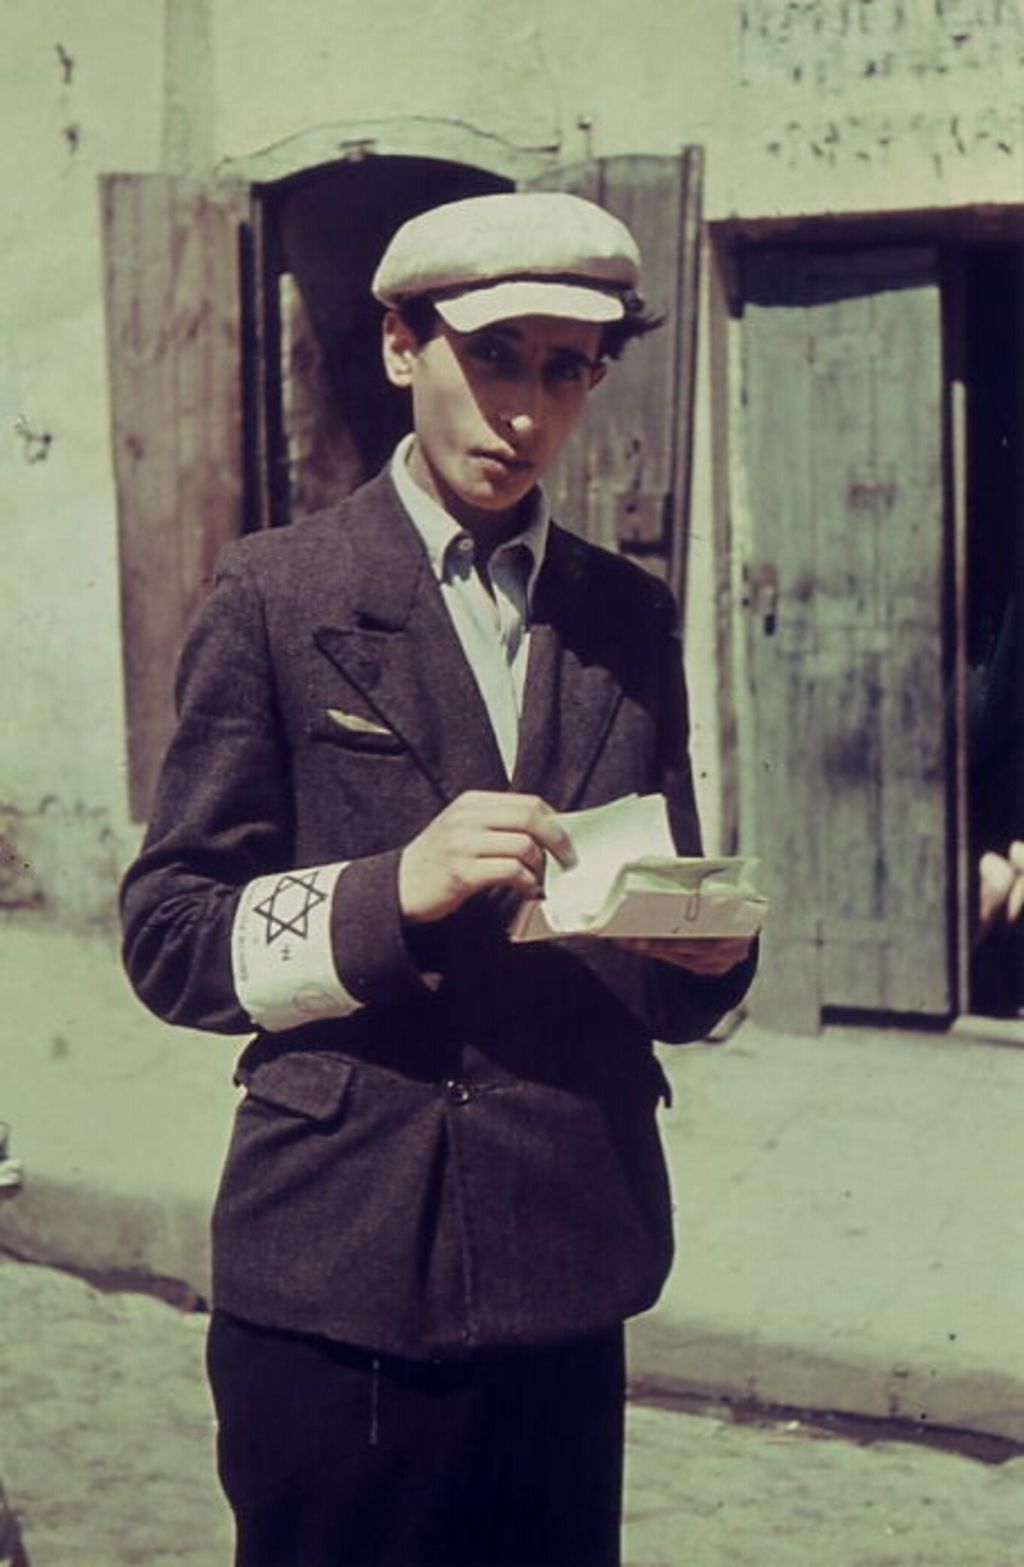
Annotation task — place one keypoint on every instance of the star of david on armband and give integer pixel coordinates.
(282, 957)
(289, 906)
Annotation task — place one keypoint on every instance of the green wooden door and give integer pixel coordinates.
(845, 765)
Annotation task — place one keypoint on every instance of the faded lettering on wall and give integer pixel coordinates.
(870, 139)
(833, 44)
(866, 65)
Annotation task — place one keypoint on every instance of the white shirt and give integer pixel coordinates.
(494, 631)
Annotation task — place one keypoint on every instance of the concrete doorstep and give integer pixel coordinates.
(850, 1217)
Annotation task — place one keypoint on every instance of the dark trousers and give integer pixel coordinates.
(332, 1457)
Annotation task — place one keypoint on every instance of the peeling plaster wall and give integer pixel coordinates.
(878, 103)
(81, 90)
(463, 60)
(803, 106)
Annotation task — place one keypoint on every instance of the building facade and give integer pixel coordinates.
(822, 449)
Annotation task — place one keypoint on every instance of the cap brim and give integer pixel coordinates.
(479, 307)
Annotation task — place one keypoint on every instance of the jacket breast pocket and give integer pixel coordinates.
(355, 732)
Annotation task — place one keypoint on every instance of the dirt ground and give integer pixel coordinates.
(106, 1451)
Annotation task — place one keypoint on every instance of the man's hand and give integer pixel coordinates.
(480, 840)
(1001, 888)
(710, 955)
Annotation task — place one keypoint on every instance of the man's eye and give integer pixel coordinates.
(567, 370)
(491, 351)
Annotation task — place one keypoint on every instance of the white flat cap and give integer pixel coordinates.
(516, 254)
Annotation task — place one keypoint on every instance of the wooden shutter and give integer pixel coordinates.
(846, 772)
(174, 331)
(624, 479)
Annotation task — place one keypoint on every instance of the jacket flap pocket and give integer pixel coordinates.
(307, 1083)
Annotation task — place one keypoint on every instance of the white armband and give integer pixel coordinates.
(281, 954)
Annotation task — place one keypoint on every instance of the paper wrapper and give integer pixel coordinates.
(627, 881)
(646, 902)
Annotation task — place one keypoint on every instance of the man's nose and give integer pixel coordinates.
(522, 422)
(521, 416)
(521, 413)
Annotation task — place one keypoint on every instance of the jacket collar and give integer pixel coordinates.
(572, 688)
(398, 647)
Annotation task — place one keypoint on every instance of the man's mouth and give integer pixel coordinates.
(506, 460)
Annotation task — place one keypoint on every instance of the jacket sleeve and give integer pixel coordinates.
(220, 837)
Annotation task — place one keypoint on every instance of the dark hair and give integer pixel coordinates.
(636, 323)
(420, 315)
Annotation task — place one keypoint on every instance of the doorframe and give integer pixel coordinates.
(270, 472)
(445, 141)
(309, 152)
(951, 231)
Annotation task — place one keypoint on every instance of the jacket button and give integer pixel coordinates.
(457, 1092)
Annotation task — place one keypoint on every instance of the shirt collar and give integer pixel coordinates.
(438, 528)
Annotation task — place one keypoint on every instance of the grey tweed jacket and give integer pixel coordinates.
(450, 1168)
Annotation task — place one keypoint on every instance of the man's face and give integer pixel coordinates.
(493, 408)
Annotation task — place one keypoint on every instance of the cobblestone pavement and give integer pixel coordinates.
(106, 1449)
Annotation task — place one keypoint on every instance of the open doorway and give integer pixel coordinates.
(884, 522)
(993, 359)
(330, 417)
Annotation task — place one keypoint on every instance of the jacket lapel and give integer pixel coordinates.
(572, 691)
(399, 649)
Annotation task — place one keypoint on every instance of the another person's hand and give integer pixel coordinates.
(480, 840)
(1000, 888)
(709, 955)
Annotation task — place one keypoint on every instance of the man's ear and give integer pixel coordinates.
(399, 349)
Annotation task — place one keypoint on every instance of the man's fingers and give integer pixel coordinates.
(526, 813)
(546, 828)
(554, 837)
(481, 840)
(509, 847)
(1015, 902)
(494, 871)
(490, 843)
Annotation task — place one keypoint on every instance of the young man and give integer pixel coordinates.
(445, 1190)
